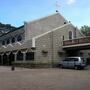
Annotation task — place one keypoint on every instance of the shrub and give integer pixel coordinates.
(35, 64)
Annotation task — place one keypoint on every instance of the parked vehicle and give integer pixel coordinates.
(73, 62)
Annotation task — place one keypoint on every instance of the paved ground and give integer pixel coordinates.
(44, 79)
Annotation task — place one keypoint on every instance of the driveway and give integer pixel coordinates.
(44, 79)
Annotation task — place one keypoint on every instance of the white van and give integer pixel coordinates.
(73, 62)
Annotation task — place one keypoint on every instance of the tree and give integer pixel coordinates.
(4, 28)
(85, 30)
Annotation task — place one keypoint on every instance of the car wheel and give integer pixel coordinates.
(61, 66)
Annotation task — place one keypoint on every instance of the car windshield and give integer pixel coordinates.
(74, 59)
(71, 59)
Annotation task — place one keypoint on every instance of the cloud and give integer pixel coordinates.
(70, 2)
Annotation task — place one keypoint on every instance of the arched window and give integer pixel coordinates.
(70, 35)
(13, 40)
(19, 56)
(3, 42)
(29, 56)
(19, 38)
(8, 41)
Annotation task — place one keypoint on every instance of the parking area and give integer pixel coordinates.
(44, 79)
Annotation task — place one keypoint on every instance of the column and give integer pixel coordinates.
(24, 51)
(15, 55)
(24, 56)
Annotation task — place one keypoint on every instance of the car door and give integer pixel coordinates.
(71, 63)
(65, 63)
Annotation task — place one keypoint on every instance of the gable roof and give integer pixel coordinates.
(47, 17)
(43, 19)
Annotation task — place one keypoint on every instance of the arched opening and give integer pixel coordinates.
(11, 58)
(19, 38)
(3, 42)
(19, 56)
(8, 41)
(13, 40)
(70, 35)
(30, 56)
(5, 59)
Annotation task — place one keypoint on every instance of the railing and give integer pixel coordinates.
(76, 41)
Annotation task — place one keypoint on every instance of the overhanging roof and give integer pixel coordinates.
(84, 46)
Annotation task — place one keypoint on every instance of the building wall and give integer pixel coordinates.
(43, 25)
(85, 53)
(79, 34)
(43, 44)
(49, 33)
(52, 44)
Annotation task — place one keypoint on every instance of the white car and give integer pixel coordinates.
(73, 62)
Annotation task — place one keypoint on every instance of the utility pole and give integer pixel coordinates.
(52, 49)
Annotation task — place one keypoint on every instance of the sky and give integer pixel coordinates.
(16, 12)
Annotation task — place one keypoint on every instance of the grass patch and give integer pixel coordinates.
(35, 64)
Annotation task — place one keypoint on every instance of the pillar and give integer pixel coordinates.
(24, 54)
(15, 55)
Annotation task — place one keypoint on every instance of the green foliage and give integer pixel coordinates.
(85, 30)
(7, 26)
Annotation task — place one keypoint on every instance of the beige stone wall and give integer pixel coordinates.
(43, 25)
(52, 42)
(86, 53)
(43, 43)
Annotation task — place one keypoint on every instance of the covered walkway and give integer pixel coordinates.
(77, 44)
(6, 58)
(73, 47)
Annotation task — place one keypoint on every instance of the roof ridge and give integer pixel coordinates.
(43, 17)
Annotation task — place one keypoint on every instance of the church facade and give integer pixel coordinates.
(38, 40)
